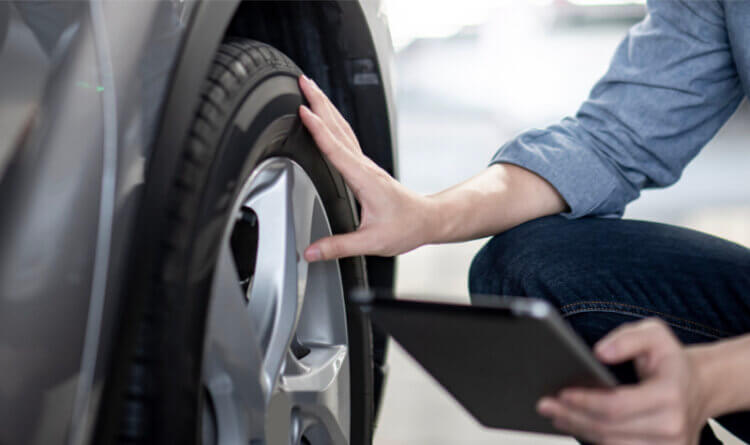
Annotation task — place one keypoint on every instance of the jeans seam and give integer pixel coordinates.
(605, 306)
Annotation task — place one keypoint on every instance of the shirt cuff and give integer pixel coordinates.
(575, 171)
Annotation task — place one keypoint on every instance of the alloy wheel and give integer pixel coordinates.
(276, 366)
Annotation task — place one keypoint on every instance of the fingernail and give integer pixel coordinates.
(604, 351)
(304, 109)
(309, 81)
(313, 254)
(544, 406)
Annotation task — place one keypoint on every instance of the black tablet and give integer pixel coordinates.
(497, 359)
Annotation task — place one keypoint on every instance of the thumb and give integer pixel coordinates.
(339, 246)
(632, 341)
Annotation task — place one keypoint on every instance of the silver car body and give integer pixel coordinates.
(89, 91)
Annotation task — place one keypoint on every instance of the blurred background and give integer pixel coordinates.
(470, 76)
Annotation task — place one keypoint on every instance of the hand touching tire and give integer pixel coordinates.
(394, 219)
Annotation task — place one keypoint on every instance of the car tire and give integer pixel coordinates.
(165, 399)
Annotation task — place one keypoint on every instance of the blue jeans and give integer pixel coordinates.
(600, 273)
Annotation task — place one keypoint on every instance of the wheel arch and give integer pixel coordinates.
(339, 43)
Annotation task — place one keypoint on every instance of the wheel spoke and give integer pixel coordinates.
(319, 395)
(275, 297)
(231, 370)
(320, 369)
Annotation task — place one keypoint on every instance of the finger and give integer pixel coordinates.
(617, 404)
(567, 418)
(323, 107)
(344, 160)
(633, 340)
(653, 427)
(340, 246)
(572, 421)
(318, 104)
(318, 98)
(630, 441)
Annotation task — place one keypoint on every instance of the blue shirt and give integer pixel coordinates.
(674, 81)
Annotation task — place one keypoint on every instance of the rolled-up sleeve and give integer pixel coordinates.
(671, 85)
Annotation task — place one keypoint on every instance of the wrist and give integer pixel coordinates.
(716, 377)
(704, 395)
(435, 224)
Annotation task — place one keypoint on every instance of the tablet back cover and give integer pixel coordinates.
(497, 365)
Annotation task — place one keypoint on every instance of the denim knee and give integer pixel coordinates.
(487, 272)
(512, 262)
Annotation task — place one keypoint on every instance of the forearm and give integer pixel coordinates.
(501, 197)
(723, 370)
